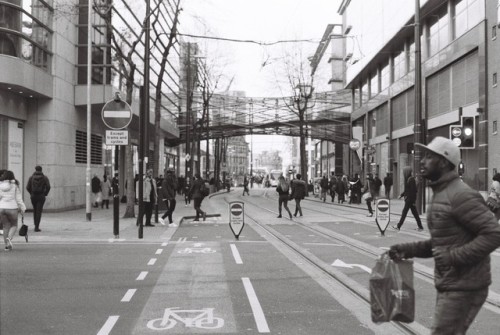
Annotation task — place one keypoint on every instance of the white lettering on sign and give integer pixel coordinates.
(196, 318)
(116, 114)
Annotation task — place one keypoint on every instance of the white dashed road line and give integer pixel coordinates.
(128, 296)
(236, 254)
(142, 275)
(152, 261)
(108, 325)
(258, 313)
(159, 251)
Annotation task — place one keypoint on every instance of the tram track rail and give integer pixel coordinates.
(356, 289)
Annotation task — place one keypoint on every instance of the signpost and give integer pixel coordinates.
(116, 115)
(382, 214)
(236, 217)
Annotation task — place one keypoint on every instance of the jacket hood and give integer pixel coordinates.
(298, 181)
(7, 185)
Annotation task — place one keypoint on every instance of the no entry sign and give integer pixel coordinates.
(236, 217)
(116, 114)
(382, 214)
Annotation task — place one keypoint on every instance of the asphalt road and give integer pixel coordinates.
(278, 277)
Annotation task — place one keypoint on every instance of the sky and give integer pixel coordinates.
(253, 68)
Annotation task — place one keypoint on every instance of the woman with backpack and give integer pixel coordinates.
(283, 190)
(11, 203)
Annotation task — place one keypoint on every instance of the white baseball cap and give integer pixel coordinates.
(444, 147)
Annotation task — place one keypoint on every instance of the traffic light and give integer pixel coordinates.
(464, 134)
(461, 169)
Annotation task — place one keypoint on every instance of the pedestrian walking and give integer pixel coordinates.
(298, 187)
(388, 185)
(463, 232)
(493, 200)
(332, 185)
(96, 190)
(377, 183)
(410, 197)
(169, 189)
(245, 185)
(197, 194)
(323, 184)
(106, 191)
(283, 190)
(341, 189)
(11, 203)
(38, 187)
(149, 198)
(355, 190)
(181, 184)
(187, 188)
(369, 193)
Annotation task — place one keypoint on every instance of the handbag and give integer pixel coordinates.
(23, 231)
(367, 196)
(392, 295)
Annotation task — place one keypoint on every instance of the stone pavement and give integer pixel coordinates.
(73, 226)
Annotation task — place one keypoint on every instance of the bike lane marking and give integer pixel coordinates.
(108, 325)
(191, 294)
(142, 275)
(236, 254)
(128, 296)
(158, 251)
(258, 313)
(152, 261)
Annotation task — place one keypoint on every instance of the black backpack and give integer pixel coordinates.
(204, 190)
(38, 186)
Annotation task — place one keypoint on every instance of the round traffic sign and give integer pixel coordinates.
(383, 205)
(116, 114)
(236, 209)
(354, 144)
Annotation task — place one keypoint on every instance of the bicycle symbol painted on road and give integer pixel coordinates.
(196, 251)
(197, 318)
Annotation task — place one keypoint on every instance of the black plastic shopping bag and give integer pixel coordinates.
(391, 290)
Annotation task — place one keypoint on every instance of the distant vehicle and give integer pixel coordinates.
(260, 173)
(273, 176)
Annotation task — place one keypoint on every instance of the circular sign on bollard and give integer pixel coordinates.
(236, 217)
(382, 214)
(116, 114)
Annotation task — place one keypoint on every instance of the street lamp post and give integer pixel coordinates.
(302, 95)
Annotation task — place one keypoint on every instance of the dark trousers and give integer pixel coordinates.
(105, 202)
(283, 202)
(148, 211)
(388, 192)
(369, 204)
(197, 207)
(298, 209)
(413, 208)
(245, 190)
(37, 200)
(170, 209)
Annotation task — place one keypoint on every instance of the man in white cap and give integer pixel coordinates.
(463, 234)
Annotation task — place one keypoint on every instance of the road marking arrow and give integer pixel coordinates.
(341, 264)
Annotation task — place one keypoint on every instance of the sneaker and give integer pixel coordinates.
(9, 243)
(173, 225)
(38, 229)
(395, 228)
(196, 220)
(204, 216)
(7, 249)
(162, 222)
(279, 216)
(420, 229)
(370, 215)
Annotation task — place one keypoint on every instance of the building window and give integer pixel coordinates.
(364, 92)
(385, 76)
(494, 32)
(399, 65)
(81, 148)
(495, 82)
(374, 86)
(467, 13)
(438, 31)
(495, 129)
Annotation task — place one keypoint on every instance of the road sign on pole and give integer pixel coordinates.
(116, 114)
(236, 217)
(382, 214)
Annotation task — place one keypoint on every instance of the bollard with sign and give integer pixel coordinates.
(236, 217)
(382, 214)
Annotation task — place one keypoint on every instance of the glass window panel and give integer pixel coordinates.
(411, 57)
(474, 14)
(385, 77)
(460, 24)
(364, 92)
(374, 88)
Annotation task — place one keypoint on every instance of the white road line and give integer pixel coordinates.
(236, 254)
(164, 244)
(142, 275)
(108, 325)
(128, 296)
(152, 261)
(158, 252)
(331, 244)
(258, 313)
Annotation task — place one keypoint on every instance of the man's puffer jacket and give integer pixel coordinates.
(460, 223)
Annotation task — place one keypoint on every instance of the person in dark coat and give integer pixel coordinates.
(298, 192)
(283, 190)
(341, 189)
(463, 233)
(369, 190)
(149, 198)
(377, 184)
(355, 190)
(38, 187)
(196, 193)
(388, 185)
(324, 187)
(245, 186)
(168, 190)
(410, 196)
(96, 190)
(332, 185)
